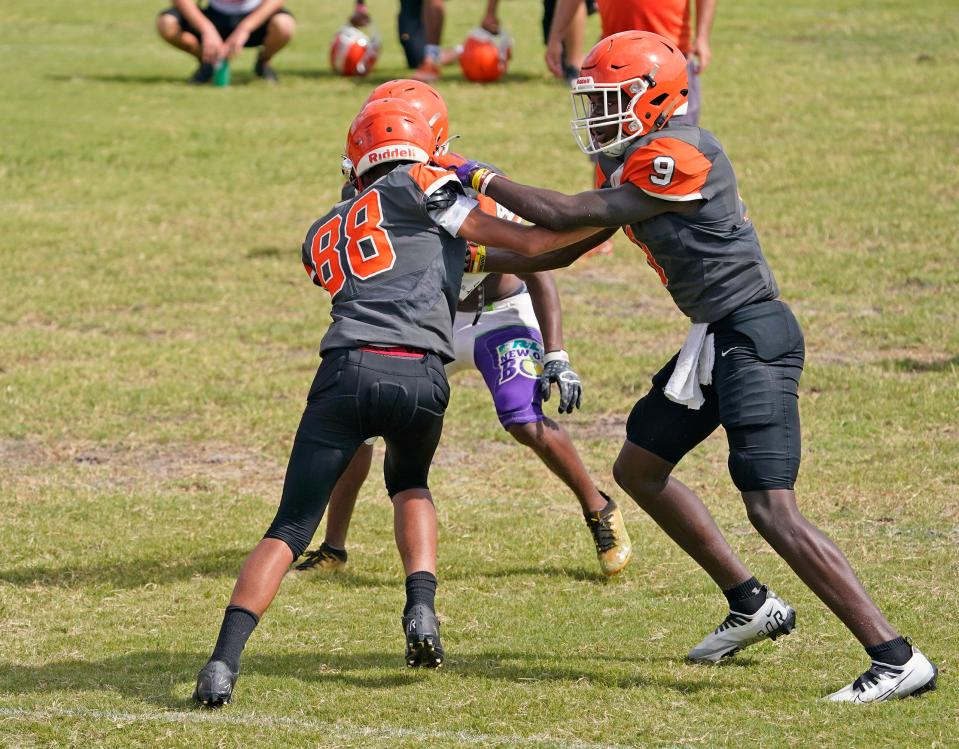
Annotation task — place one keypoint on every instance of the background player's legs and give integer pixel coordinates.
(170, 30)
(552, 444)
(818, 563)
(409, 23)
(679, 512)
(343, 497)
(509, 359)
(279, 31)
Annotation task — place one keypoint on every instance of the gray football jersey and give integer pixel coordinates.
(393, 274)
(710, 261)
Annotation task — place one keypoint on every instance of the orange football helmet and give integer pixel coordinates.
(388, 130)
(630, 84)
(422, 97)
(353, 52)
(485, 56)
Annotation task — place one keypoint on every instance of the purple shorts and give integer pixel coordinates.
(507, 348)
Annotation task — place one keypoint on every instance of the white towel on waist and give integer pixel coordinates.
(694, 367)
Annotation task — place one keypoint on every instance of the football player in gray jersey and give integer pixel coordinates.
(510, 329)
(392, 259)
(672, 189)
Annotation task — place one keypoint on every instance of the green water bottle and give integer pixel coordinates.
(221, 72)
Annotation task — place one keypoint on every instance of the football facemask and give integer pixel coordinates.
(604, 120)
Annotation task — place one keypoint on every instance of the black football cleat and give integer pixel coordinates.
(422, 630)
(214, 684)
(265, 71)
(203, 74)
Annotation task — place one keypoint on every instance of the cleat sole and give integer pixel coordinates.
(422, 654)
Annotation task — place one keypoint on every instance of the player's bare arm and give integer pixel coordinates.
(504, 261)
(546, 305)
(615, 207)
(483, 229)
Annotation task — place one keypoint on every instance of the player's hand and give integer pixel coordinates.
(235, 41)
(558, 370)
(361, 16)
(702, 54)
(490, 23)
(554, 58)
(211, 46)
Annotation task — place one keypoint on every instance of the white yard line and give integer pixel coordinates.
(330, 730)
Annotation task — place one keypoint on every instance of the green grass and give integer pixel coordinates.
(158, 335)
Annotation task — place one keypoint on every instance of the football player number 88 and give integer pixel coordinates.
(368, 249)
(664, 166)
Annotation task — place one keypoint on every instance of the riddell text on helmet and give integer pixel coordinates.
(393, 154)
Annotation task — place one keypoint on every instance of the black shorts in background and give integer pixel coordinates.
(225, 23)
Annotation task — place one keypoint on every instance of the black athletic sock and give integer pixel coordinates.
(894, 652)
(338, 553)
(747, 597)
(420, 588)
(238, 625)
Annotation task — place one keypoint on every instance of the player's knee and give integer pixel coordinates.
(771, 515)
(296, 538)
(528, 434)
(167, 26)
(641, 486)
(282, 26)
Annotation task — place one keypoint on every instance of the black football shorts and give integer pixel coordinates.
(356, 395)
(754, 396)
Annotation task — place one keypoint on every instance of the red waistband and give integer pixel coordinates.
(403, 351)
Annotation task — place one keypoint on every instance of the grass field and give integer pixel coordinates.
(158, 335)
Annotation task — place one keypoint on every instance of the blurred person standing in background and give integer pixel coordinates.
(668, 18)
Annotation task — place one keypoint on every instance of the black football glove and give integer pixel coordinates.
(570, 387)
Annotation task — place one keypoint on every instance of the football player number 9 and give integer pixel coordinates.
(664, 166)
(368, 249)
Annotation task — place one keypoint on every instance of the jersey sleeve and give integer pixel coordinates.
(430, 178)
(448, 208)
(491, 207)
(668, 168)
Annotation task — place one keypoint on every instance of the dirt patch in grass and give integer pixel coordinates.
(200, 466)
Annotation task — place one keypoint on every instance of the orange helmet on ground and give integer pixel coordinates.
(422, 97)
(353, 52)
(388, 130)
(630, 84)
(485, 56)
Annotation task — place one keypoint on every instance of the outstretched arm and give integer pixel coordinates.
(615, 207)
(504, 261)
(483, 229)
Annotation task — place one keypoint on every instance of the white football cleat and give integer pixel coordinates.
(739, 630)
(883, 681)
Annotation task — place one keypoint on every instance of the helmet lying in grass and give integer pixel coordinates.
(353, 51)
(486, 56)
